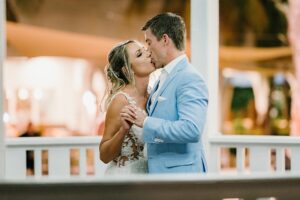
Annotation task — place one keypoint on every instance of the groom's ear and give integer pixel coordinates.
(165, 39)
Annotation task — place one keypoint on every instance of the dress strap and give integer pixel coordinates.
(128, 97)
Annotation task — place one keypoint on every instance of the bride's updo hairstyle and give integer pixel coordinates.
(118, 70)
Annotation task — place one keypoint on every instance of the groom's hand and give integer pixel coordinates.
(140, 117)
(134, 115)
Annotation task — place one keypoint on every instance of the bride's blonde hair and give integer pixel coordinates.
(118, 70)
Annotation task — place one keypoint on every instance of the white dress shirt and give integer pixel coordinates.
(166, 71)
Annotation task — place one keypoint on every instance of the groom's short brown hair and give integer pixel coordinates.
(170, 24)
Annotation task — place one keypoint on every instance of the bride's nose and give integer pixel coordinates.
(148, 53)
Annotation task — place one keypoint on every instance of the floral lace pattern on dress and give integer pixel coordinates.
(132, 149)
(132, 146)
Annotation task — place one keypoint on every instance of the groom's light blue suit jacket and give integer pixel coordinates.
(173, 131)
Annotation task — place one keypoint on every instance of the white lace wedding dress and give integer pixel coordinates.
(132, 157)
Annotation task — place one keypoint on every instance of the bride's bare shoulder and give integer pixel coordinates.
(116, 105)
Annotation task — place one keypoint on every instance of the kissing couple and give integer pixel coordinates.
(158, 131)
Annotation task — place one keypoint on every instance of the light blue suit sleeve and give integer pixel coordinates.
(191, 102)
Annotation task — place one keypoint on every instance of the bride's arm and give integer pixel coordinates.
(111, 143)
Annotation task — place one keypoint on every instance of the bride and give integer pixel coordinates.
(128, 73)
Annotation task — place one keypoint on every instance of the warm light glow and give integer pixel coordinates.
(6, 117)
(283, 123)
(277, 96)
(23, 94)
(38, 94)
(9, 94)
(273, 113)
(89, 101)
(248, 123)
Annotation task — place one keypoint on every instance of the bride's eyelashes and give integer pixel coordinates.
(139, 53)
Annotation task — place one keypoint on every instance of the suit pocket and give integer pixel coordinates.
(178, 161)
(161, 99)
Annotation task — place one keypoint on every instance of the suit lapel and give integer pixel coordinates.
(171, 76)
(150, 96)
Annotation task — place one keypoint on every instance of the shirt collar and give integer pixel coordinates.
(170, 66)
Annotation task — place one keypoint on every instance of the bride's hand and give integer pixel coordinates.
(134, 115)
(126, 125)
(127, 116)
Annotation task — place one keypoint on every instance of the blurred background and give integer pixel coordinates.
(57, 50)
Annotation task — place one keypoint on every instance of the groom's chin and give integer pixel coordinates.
(158, 66)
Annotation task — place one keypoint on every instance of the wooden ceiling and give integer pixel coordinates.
(89, 29)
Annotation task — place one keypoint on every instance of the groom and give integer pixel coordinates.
(178, 103)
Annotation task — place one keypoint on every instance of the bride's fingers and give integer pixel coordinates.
(129, 112)
(131, 109)
(128, 115)
(129, 119)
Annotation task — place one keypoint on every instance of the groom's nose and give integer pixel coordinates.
(147, 49)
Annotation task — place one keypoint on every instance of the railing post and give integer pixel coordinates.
(2, 57)
(59, 162)
(215, 163)
(240, 159)
(260, 159)
(15, 163)
(204, 57)
(295, 163)
(280, 159)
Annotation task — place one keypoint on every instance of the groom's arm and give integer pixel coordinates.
(192, 102)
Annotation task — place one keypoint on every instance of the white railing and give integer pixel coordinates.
(53, 156)
(56, 154)
(263, 153)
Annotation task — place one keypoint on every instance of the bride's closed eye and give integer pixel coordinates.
(139, 53)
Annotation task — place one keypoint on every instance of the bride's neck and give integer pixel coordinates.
(141, 85)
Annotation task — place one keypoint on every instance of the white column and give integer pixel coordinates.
(2, 56)
(205, 56)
